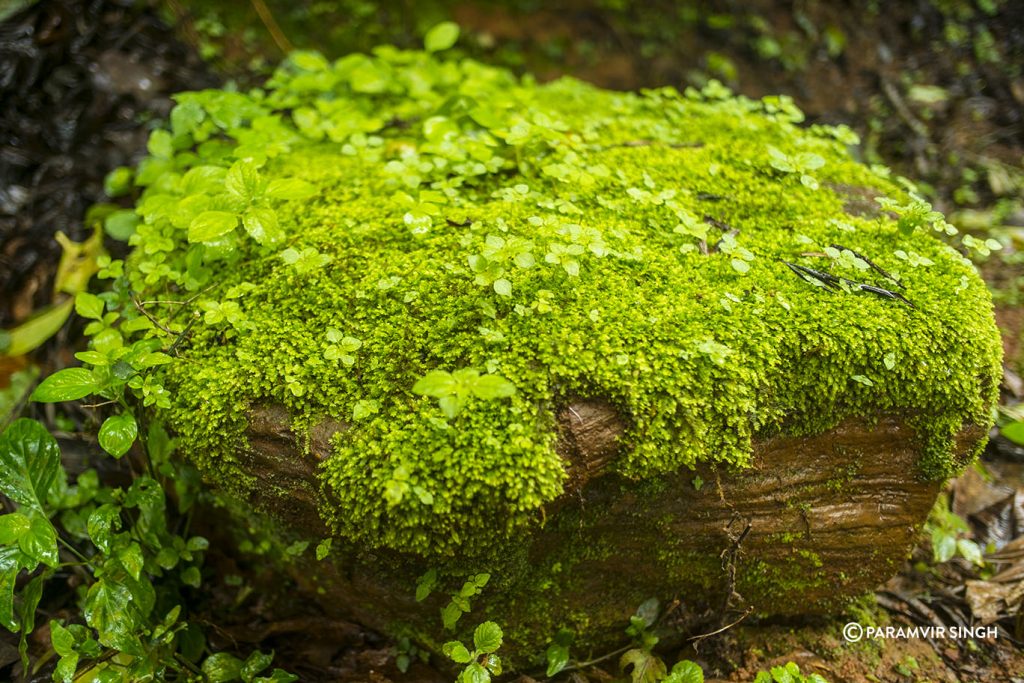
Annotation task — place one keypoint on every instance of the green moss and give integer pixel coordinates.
(423, 168)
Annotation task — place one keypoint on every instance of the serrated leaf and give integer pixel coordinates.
(441, 37)
(487, 637)
(457, 652)
(69, 384)
(29, 463)
(209, 225)
(118, 433)
(686, 672)
(262, 225)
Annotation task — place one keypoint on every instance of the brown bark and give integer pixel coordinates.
(813, 521)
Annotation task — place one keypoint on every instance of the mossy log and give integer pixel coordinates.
(601, 346)
(812, 522)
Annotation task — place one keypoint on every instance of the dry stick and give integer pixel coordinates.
(275, 31)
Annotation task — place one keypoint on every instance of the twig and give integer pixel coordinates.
(272, 26)
(701, 637)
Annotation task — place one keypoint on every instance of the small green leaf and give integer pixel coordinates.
(493, 386)
(686, 672)
(222, 667)
(502, 287)
(323, 548)
(160, 144)
(209, 225)
(262, 225)
(436, 383)
(487, 637)
(89, 305)
(118, 433)
(441, 37)
(255, 663)
(456, 652)
(290, 188)
(426, 584)
(364, 408)
(69, 384)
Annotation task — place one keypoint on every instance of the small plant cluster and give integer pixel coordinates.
(131, 568)
(948, 533)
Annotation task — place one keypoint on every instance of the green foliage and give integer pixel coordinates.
(454, 389)
(131, 563)
(948, 534)
(460, 602)
(788, 673)
(481, 662)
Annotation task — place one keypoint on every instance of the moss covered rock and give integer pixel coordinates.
(437, 260)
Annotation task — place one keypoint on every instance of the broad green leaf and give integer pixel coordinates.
(103, 522)
(63, 640)
(69, 384)
(487, 637)
(107, 609)
(131, 559)
(262, 225)
(222, 667)
(243, 181)
(66, 668)
(29, 463)
(209, 225)
(441, 37)
(13, 527)
(40, 541)
(290, 188)
(118, 433)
